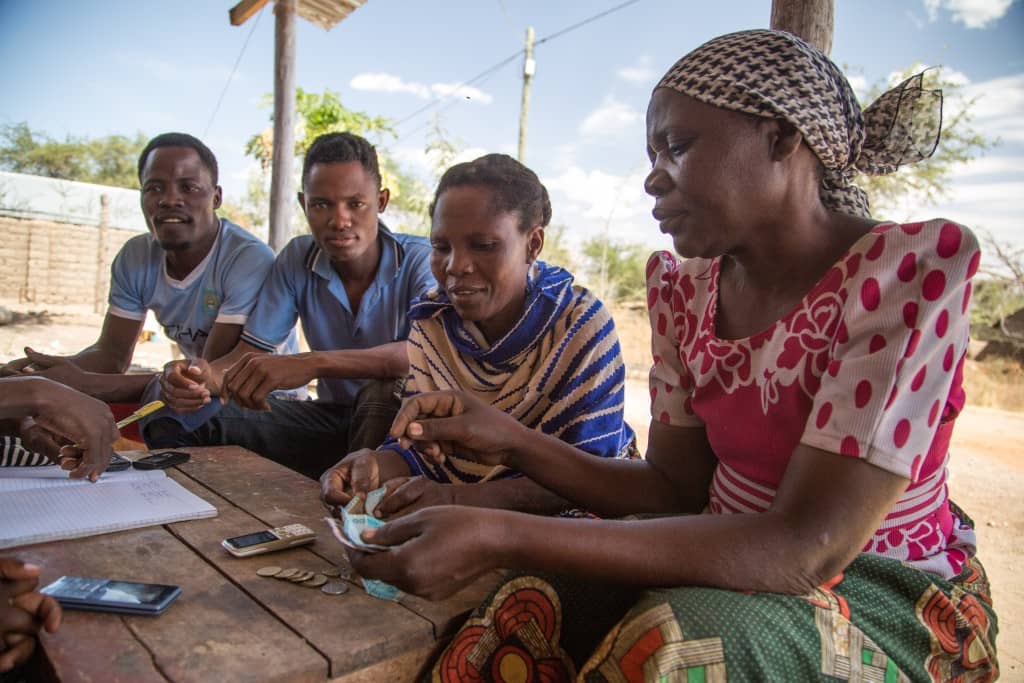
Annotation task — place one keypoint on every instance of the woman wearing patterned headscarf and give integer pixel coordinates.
(807, 374)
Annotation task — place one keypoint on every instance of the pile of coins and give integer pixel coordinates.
(322, 579)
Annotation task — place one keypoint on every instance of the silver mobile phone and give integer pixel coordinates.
(269, 540)
(106, 595)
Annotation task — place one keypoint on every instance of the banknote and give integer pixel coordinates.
(349, 532)
(373, 499)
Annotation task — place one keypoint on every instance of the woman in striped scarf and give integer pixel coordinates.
(508, 329)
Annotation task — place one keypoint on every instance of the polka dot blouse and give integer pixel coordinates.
(868, 365)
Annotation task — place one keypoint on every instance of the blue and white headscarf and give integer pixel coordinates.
(559, 369)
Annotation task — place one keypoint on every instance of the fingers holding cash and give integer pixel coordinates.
(444, 422)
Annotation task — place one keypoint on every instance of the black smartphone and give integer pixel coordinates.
(118, 463)
(160, 461)
(105, 595)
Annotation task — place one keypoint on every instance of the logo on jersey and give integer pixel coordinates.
(211, 301)
(185, 334)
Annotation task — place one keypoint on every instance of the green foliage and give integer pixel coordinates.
(441, 151)
(318, 114)
(107, 160)
(251, 211)
(992, 301)
(616, 269)
(1000, 293)
(927, 180)
(556, 251)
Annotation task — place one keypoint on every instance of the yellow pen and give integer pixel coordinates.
(142, 412)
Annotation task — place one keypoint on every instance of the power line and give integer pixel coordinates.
(586, 21)
(446, 107)
(507, 60)
(241, 53)
(508, 19)
(482, 74)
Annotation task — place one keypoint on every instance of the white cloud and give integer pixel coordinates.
(859, 84)
(425, 164)
(955, 78)
(244, 173)
(611, 118)
(563, 156)
(991, 166)
(593, 202)
(389, 83)
(996, 107)
(970, 13)
(915, 20)
(640, 73)
(463, 91)
(986, 193)
(984, 206)
(998, 99)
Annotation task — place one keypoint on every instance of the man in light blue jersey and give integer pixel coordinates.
(350, 283)
(200, 276)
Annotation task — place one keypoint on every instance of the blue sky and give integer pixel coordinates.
(117, 66)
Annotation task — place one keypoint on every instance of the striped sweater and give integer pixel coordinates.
(558, 370)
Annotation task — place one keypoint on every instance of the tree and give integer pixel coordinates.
(318, 114)
(107, 160)
(1001, 293)
(250, 210)
(556, 249)
(620, 267)
(441, 152)
(926, 182)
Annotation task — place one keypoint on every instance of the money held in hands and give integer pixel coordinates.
(355, 518)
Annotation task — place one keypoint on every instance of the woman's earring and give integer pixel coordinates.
(531, 274)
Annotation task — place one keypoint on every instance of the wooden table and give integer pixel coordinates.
(230, 624)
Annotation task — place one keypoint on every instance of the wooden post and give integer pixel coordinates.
(812, 20)
(27, 293)
(282, 190)
(529, 67)
(100, 290)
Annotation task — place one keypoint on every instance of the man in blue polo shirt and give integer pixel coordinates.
(350, 283)
(200, 276)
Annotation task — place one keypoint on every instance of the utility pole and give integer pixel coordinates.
(812, 20)
(529, 68)
(282, 190)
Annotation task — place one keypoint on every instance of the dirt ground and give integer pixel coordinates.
(987, 477)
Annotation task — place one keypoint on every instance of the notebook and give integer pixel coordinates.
(39, 504)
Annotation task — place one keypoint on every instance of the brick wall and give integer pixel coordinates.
(45, 262)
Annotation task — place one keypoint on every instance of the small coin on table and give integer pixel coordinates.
(335, 588)
(268, 571)
(286, 573)
(315, 582)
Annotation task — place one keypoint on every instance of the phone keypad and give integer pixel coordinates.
(291, 530)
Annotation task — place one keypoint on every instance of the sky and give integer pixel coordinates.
(118, 66)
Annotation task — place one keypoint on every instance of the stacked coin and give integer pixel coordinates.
(311, 579)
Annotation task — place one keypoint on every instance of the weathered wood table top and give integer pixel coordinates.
(229, 623)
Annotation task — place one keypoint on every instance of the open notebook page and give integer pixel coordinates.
(71, 510)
